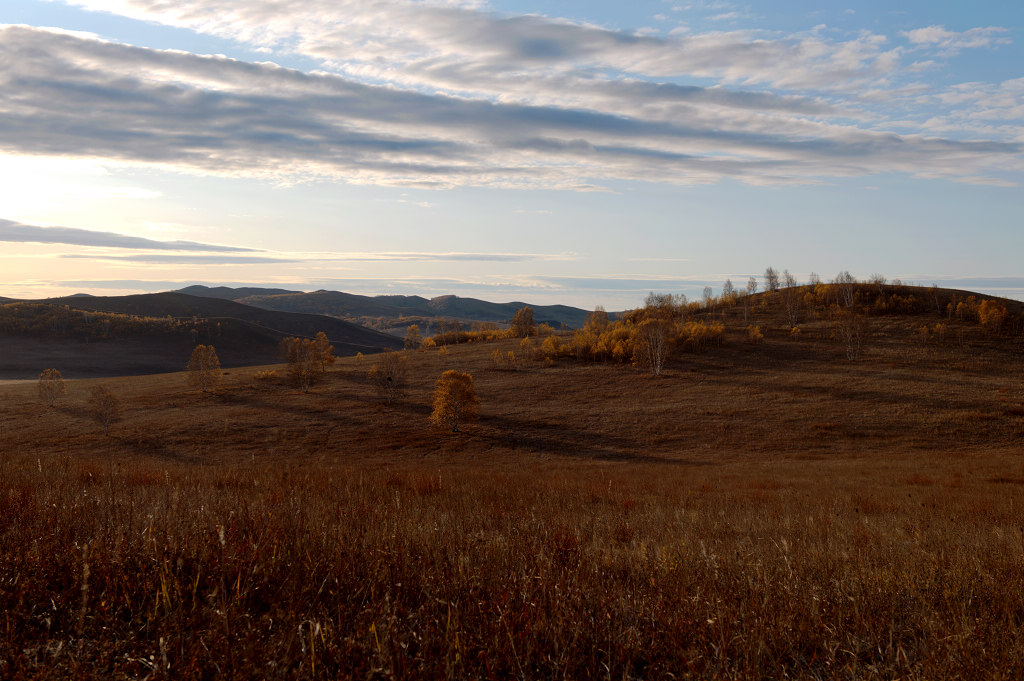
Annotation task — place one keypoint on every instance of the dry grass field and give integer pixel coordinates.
(759, 511)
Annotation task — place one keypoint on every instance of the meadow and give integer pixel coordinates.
(766, 510)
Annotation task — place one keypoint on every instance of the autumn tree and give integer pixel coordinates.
(455, 400)
(413, 338)
(388, 374)
(303, 358)
(522, 324)
(204, 368)
(324, 351)
(597, 321)
(51, 386)
(651, 342)
(448, 330)
(771, 279)
(992, 315)
(105, 407)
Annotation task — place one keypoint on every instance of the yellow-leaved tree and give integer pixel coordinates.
(413, 337)
(455, 400)
(324, 351)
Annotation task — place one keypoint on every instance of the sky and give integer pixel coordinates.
(570, 151)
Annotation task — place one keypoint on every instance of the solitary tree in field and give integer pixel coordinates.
(324, 351)
(852, 331)
(303, 358)
(388, 374)
(51, 386)
(204, 368)
(455, 400)
(522, 323)
(104, 407)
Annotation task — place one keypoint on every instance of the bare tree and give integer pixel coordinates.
(388, 374)
(852, 331)
(709, 298)
(771, 279)
(104, 407)
(791, 298)
(728, 290)
(204, 368)
(846, 285)
(749, 291)
(51, 386)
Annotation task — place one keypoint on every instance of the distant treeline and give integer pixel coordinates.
(47, 320)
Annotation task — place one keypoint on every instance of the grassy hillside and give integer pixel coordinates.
(760, 509)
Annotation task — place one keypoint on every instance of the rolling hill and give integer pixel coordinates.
(153, 333)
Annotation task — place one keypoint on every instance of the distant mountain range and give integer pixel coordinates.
(391, 312)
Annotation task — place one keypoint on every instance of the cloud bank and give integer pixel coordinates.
(444, 94)
(17, 232)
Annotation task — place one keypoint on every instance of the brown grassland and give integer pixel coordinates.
(758, 511)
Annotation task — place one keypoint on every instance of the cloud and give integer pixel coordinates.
(184, 259)
(427, 40)
(20, 233)
(89, 98)
(953, 41)
(422, 256)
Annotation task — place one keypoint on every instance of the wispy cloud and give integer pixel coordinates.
(953, 41)
(86, 97)
(184, 259)
(11, 231)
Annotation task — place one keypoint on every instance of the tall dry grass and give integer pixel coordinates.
(246, 571)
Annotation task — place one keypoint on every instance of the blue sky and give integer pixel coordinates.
(566, 151)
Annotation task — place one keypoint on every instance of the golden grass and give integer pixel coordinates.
(759, 511)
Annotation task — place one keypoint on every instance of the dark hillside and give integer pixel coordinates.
(153, 333)
(227, 293)
(181, 306)
(393, 308)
